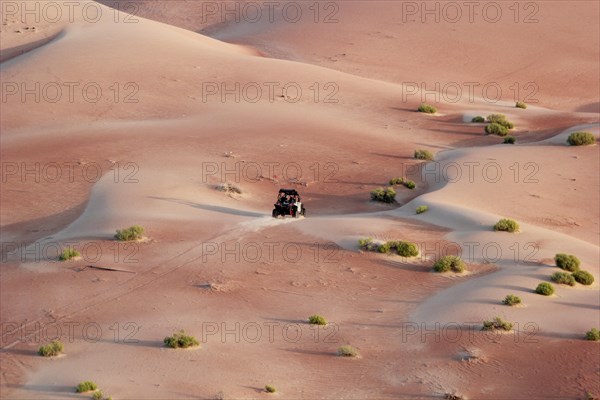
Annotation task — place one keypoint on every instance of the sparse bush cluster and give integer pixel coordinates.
(422, 209)
(545, 289)
(86, 386)
(449, 263)
(511, 300)
(52, 349)
(426, 108)
(68, 254)
(387, 195)
(134, 232)
(521, 104)
(507, 225)
(180, 340)
(404, 249)
(581, 138)
(423, 155)
(498, 125)
(497, 324)
(583, 277)
(317, 320)
(563, 278)
(270, 389)
(347, 351)
(401, 181)
(593, 334)
(478, 119)
(568, 262)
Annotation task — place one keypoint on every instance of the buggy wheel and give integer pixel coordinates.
(275, 213)
(303, 212)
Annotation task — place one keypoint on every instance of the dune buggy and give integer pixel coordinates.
(288, 203)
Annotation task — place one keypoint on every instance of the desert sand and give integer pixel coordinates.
(118, 114)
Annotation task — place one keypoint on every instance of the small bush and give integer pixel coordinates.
(563, 278)
(581, 139)
(384, 248)
(367, 244)
(134, 232)
(97, 395)
(496, 129)
(317, 320)
(593, 334)
(500, 119)
(229, 188)
(449, 263)
(423, 155)
(509, 139)
(506, 225)
(347, 351)
(270, 389)
(583, 277)
(545, 289)
(384, 195)
(180, 340)
(511, 300)
(567, 262)
(68, 254)
(521, 104)
(478, 119)
(497, 324)
(86, 386)
(52, 349)
(396, 181)
(422, 209)
(426, 108)
(410, 184)
(407, 249)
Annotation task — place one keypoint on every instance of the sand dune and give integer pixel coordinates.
(181, 112)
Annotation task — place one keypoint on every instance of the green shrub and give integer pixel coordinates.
(68, 254)
(180, 340)
(396, 181)
(507, 225)
(97, 395)
(317, 320)
(86, 386)
(521, 104)
(500, 119)
(593, 334)
(449, 263)
(563, 278)
(511, 300)
(134, 232)
(410, 184)
(347, 351)
(367, 244)
(407, 249)
(567, 262)
(478, 119)
(270, 389)
(423, 155)
(581, 138)
(545, 289)
(426, 108)
(422, 209)
(509, 139)
(52, 349)
(384, 195)
(497, 324)
(583, 277)
(496, 129)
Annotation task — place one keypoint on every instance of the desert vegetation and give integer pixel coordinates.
(426, 108)
(68, 254)
(509, 139)
(506, 225)
(583, 277)
(317, 320)
(423, 155)
(478, 119)
(270, 389)
(347, 351)
(422, 209)
(134, 232)
(51, 349)
(401, 181)
(520, 104)
(387, 195)
(449, 263)
(563, 278)
(568, 262)
(180, 340)
(545, 289)
(581, 139)
(497, 324)
(593, 334)
(511, 300)
(86, 386)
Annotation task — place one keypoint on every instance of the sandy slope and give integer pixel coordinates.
(153, 156)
